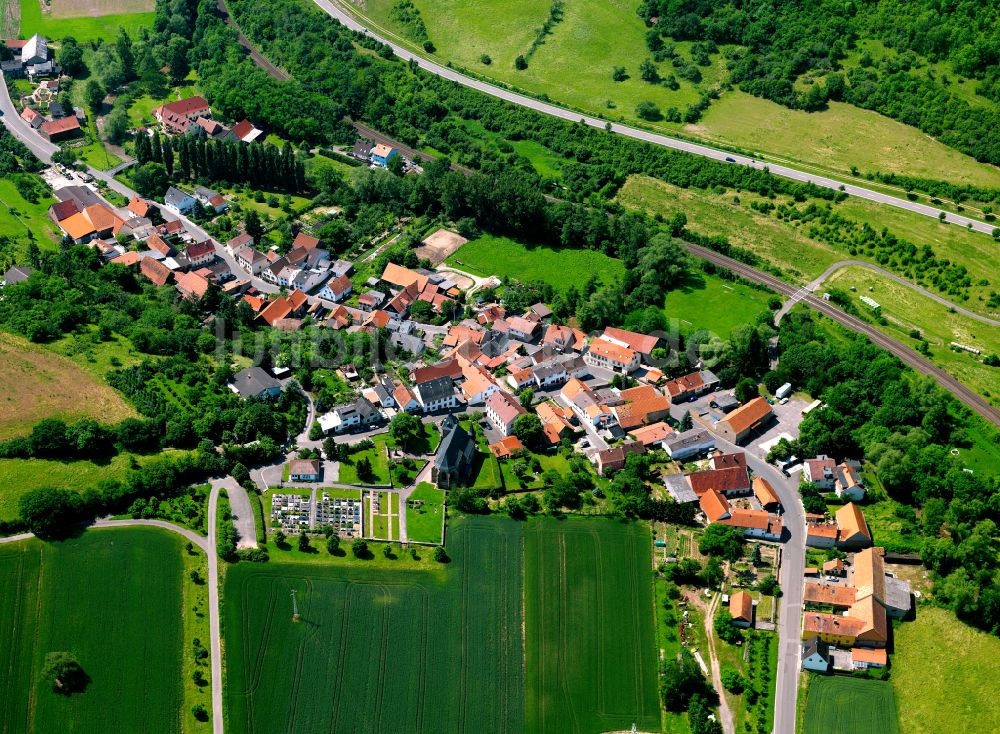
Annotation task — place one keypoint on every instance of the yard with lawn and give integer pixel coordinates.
(709, 302)
(24, 220)
(378, 459)
(945, 675)
(562, 268)
(425, 514)
(83, 20)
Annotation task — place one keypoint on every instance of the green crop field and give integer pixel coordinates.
(709, 302)
(502, 256)
(423, 522)
(589, 633)
(840, 705)
(111, 597)
(84, 28)
(905, 309)
(384, 649)
(961, 693)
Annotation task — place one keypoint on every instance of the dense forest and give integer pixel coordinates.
(776, 44)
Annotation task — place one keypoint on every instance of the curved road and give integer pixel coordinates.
(817, 282)
(352, 22)
(208, 546)
(909, 357)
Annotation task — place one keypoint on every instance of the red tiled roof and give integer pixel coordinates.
(741, 606)
(55, 127)
(155, 270)
(186, 106)
(746, 416)
(305, 241)
(200, 249)
(641, 343)
(722, 480)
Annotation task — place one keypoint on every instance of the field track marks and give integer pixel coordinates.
(463, 696)
(301, 651)
(637, 650)
(564, 641)
(38, 631)
(425, 616)
(338, 687)
(15, 624)
(383, 653)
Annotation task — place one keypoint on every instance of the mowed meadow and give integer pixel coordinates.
(112, 598)
(536, 626)
(35, 383)
(842, 705)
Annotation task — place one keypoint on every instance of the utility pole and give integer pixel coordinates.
(295, 608)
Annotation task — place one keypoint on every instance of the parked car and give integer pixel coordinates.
(730, 160)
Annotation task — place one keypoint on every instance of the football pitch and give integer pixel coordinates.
(446, 649)
(113, 599)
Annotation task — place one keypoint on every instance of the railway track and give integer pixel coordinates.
(964, 394)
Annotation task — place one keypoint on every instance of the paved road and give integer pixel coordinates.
(239, 503)
(963, 393)
(353, 23)
(198, 540)
(790, 578)
(814, 285)
(213, 611)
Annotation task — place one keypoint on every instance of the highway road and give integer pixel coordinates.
(909, 357)
(352, 22)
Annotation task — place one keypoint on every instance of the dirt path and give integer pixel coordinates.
(725, 715)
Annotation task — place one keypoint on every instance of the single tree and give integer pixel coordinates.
(64, 673)
(304, 546)
(359, 548)
(333, 544)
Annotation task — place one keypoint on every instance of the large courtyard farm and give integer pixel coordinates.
(442, 649)
(113, 598)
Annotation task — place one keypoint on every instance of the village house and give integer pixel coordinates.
(361, 413)
(436, 394)
(611, 356)
(507, 447)
(251, 260)
(176, 117)
(641, 405)
(304, 470)
(284, 307)
(96, 221)
(691, 386)
(192, 286)
(613, 459)
(869, 599)
(155, 270)
(765, 494)
(741, 609)
(738, 425)
(254, 382)
(336, 289)
(828, 476)
(586, 404)
(17, 274)
(502, 409)
(815, 655)
(245, 131)
(405, 400)
(641, 344)
(557, 421)
(56, 131)
(652, 436)
(752, 523)
(211, 200)
(689, 443)
(200, 253)
(381, 154)
(177, 201)
(564, 338)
